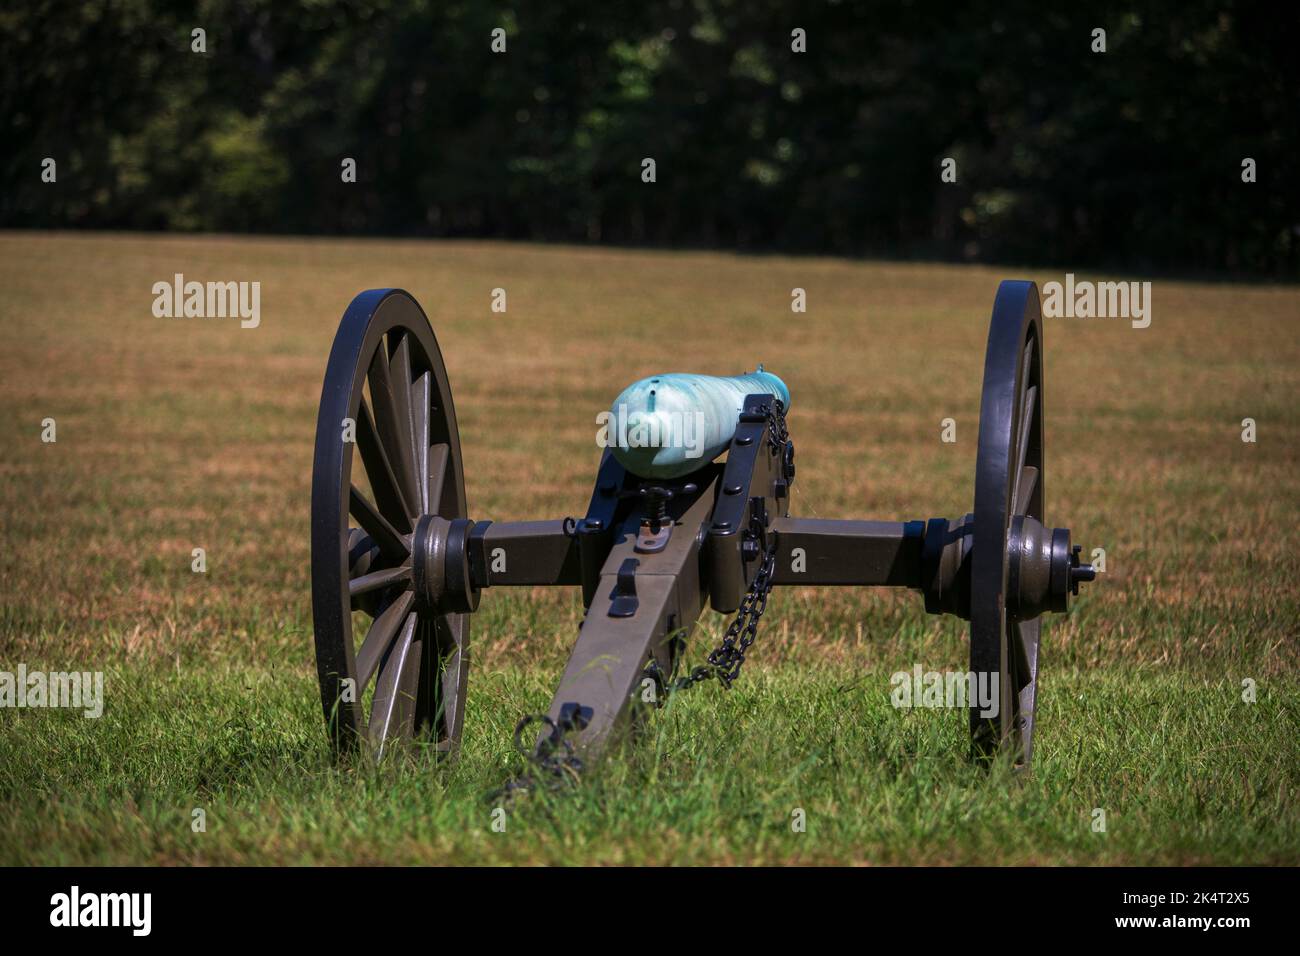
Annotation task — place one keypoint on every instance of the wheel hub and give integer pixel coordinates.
(1043, 570)
(440, 571)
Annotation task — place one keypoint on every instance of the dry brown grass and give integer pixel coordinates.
(177, 433)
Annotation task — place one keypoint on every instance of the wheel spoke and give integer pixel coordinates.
(439, 462)
(399, 367)
(451, 632)
(362, 551)
(1028, 404)
(380, 638)
(383, 482)
(1025, 485)
(1017, 658)
(394, 427)
(377, 526)
(1027, 407)
(1027, 699)
(377, 580)
(420, 398)
(393, 711)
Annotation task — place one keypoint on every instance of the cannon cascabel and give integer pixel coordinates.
(666, 426)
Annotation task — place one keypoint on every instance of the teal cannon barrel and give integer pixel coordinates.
(669, 425)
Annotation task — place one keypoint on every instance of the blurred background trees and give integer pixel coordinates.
(1129, 159)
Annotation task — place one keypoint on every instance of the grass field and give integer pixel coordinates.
(181, 433)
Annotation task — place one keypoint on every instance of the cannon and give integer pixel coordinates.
(663, 536)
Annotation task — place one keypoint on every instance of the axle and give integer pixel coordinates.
(932, 557)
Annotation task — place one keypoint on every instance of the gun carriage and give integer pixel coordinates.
(662, 537)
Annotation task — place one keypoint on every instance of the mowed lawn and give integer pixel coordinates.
(174, 434)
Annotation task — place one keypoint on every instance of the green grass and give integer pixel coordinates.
(174, 434)
(1185, 771)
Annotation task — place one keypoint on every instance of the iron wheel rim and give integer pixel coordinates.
(1009, 482)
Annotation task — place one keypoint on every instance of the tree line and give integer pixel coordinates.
(909, 130)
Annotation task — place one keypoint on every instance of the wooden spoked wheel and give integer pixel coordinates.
(387, 456)
(1008, 483)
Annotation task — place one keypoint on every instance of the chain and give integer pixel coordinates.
(725, 660)
(728, 657)
(553, 759)
(776, 423)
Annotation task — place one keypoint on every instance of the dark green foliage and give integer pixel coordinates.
(1130, 159)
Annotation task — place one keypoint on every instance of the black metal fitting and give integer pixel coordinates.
(654, 502)
(1043, 570)
(946, 565)
(478, 566)
(1079, 572)
(624, 597)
